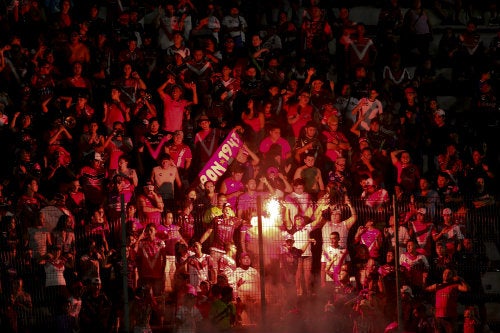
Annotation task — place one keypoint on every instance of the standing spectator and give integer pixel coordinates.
(368, 108)
(416, 266)
(142, 308)
(390, 235)
(22, 306)
(301, 235)
(39, 239)
(446, 295)
(233, 186)
(152, 146)
(275, 137)
(316, 33)
(333, 258)
(369, 236)
(115, 110)
(408, 174)
(361, 50)
(336, 143)
(235, 26)
(248, 289)
(181, 156)
(201, 267)
(421, 230)
(150, 205)
(188, 316)
(95, 315)
(374, 196)
(449, 232)
(165, 178)
(168, 24)
(313, 180)
(298, 114)
(416, 32)
(29, 203)
(169, 233)
(206, 142)
(297, 203)
(151, 259)
(308, 143)
(427, 197)
(174, 106)
(222, 311)
(223, 228)
(186, 221)
(92, 179)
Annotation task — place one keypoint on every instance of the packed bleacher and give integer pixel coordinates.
(217, 166)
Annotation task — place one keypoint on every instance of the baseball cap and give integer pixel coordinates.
(422, 211)
(178, 132)
(227, 204)
(289, 237)
(447, 211)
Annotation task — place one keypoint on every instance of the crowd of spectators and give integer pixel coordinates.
(110, 109)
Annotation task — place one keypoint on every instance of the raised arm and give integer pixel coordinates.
(354, 216)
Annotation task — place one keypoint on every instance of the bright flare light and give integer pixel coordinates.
(273, 210)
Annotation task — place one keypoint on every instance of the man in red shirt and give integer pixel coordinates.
(150, 259)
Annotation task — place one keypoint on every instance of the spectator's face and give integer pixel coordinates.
(424, 184)
(310, 131)
(299, 189)
(448, 275)
(389, 257)
(234, 12)
(151, 232)
(169, 219)
(154, 126)
(238, 176)
(252, 184)
(441, 181)
(245, 261)
(309, 161)
(275, 134)
(340, 164)
(447, 219)
(256, 41)
(299, 221)
(410, 247)
(209, 186)
(476, 157)
(33, 186)
(405, 158)
(221, 201)
(334, 240)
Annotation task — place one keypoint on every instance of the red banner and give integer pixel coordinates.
(220, 160)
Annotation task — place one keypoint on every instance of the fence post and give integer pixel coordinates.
(261, 263)
(126, 310)
(396, 261)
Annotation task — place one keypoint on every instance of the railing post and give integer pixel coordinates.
(126, 310)
(261, 264)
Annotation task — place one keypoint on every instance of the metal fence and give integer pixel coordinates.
(271, 303)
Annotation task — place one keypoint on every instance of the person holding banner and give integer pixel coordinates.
(206, 142)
